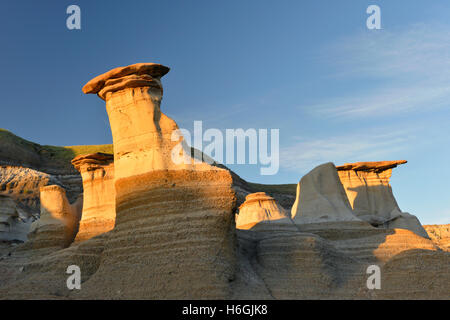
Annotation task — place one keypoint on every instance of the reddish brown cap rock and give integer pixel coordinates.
(375, 166)
(98, 158)
(135, 75)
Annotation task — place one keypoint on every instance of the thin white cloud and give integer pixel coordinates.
(385, 101)
(413, 64)
(416, 51)
(306, 154)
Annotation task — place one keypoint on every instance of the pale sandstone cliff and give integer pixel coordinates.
(329, 260)
(439, 234)
(174, 221)
(23, 185)
(99, 195)
(321, 198)
(370, 195)
(14, 222)
(26, 166)
(58, 223)
(260, 209)
(175, 236)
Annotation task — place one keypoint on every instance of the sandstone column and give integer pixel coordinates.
(322, 199)
(57, 226)
(99, 196)
(174, 232)
(371, 197)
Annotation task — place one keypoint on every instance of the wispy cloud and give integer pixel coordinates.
(416, 50)
(393, 100)
(306, 153)
(413, 64)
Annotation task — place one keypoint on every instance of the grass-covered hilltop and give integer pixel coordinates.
(15, 150)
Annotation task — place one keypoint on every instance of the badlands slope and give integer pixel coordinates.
(149, 227)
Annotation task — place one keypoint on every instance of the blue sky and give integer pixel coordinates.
(336, 90)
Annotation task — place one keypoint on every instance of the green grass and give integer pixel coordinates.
(9, 137)
(63, 155)
(70, 152)
(53, 153)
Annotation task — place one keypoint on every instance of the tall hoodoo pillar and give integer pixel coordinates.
(58, 223)
(177, 216)
(141, 132)
(99, 210)
(371, 197)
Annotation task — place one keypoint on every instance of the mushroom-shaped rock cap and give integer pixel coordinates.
(98, 158)
(139, 74)
(374, 166)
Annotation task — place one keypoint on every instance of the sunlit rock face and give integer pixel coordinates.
(260, 209)
(370, 195)
(23, 184)
(174, 231)
(14, 223)
(142, 134)
(321, 198)
(277, 260)
(99, 195)
(175, 235)
(440, 235)
(58, 223)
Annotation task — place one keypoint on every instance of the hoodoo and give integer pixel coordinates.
(99, 200)
(321, 198)
(261, 209)
(58, 224)
(370, 195)
(154, 227)
(174, 221)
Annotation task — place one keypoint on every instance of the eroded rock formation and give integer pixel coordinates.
(14, 222)
(174, 221)
(279, 261)
(174, 235)
(99, 195)
(439, 234)
(370, 195)
(23, 185)
(260, 209)
(58, 223)
(321, 198)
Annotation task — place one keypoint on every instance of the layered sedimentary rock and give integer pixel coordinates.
(370, 195)
(321, 198)
(260, 209)
(99, 195)
(14, 222)
(278, 261)
(145, 139)
(439, 234)
(23, 185)
(175, 235)
(174, 232)
(328, 256)
(58, 223)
